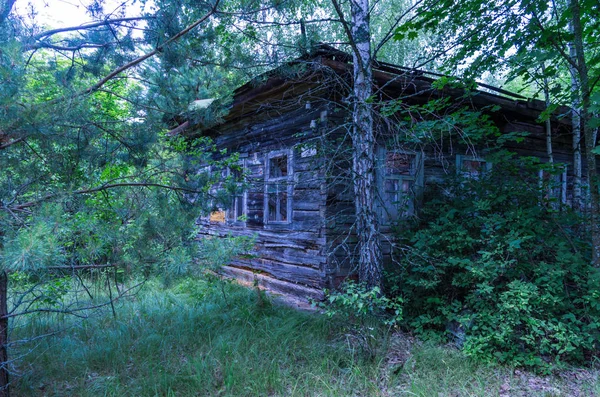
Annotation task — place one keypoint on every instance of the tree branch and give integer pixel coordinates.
(74, 311)
(90, 25)
(346, 26)
(80, 267)
(5, 145)
(392, 28)
(158, 49)
(63, 48)
(33, 203)
(5, 12)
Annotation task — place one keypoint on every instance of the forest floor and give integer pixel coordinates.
(197, 338)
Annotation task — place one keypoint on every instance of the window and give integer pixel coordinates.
(236, 211)
(399, 177)
(278, 187)
(553, 184)
(472, 167)
(226, 201)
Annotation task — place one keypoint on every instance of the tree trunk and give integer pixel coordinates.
(363, 141)
(548, 123)
(589, 133)
(576, 127)
(4, 380)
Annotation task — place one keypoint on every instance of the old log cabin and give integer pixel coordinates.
(290, 129)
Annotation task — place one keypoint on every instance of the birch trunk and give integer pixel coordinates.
(576, 126)
(588, 131)
(363, 141)
(548, 124)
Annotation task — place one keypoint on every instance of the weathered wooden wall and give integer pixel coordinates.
(316, 249)
(438, 159)
(290, 257)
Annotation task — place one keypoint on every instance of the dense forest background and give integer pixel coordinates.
(94, 194)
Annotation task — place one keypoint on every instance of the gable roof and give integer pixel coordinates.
(390, 82)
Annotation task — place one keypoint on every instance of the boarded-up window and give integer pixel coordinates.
(399, 172)
(472, 167)
(278, 187)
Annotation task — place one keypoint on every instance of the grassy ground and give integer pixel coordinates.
(191, 340)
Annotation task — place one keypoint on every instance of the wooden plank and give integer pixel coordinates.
(308, 276)
(308, 180)
(274, 285)
(308, 240)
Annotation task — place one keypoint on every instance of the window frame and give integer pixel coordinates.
(234, 220)
(286, 180)
(415, 177)
(460, 158)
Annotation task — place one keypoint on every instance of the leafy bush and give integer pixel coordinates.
(493, 266)
(357, 303)
(362, 310)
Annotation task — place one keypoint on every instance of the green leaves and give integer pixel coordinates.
(358, 304)
(488, 266)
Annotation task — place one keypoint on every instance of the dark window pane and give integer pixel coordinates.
(277, 203)
(391, 190)
(239, 206)
(397, 191)
(278, 167)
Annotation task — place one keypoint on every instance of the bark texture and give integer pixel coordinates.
(588, 131)
(576, 126)
(548, 124)
(363, 140)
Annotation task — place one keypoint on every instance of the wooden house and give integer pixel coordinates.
(290, 129)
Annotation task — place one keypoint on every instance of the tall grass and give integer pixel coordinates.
(187, 340)
(194, 338)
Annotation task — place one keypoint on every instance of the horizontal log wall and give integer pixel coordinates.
(290, 256)
(317, 249)
(439, 161)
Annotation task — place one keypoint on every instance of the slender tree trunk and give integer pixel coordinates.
(576, 127)
(363, 140)
(4, 380)
(588, 131)
(549, 149)
(548, 123)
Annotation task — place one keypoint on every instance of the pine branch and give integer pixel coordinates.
(101, 188)
(64, 48)
(75, 311)
(86, 26)
(150, 54)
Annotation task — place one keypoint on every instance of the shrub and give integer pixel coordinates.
(357, 304)
(362, 310)
(493, 266)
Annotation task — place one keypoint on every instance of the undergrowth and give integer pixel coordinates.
(188, 340)
(495, 266)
